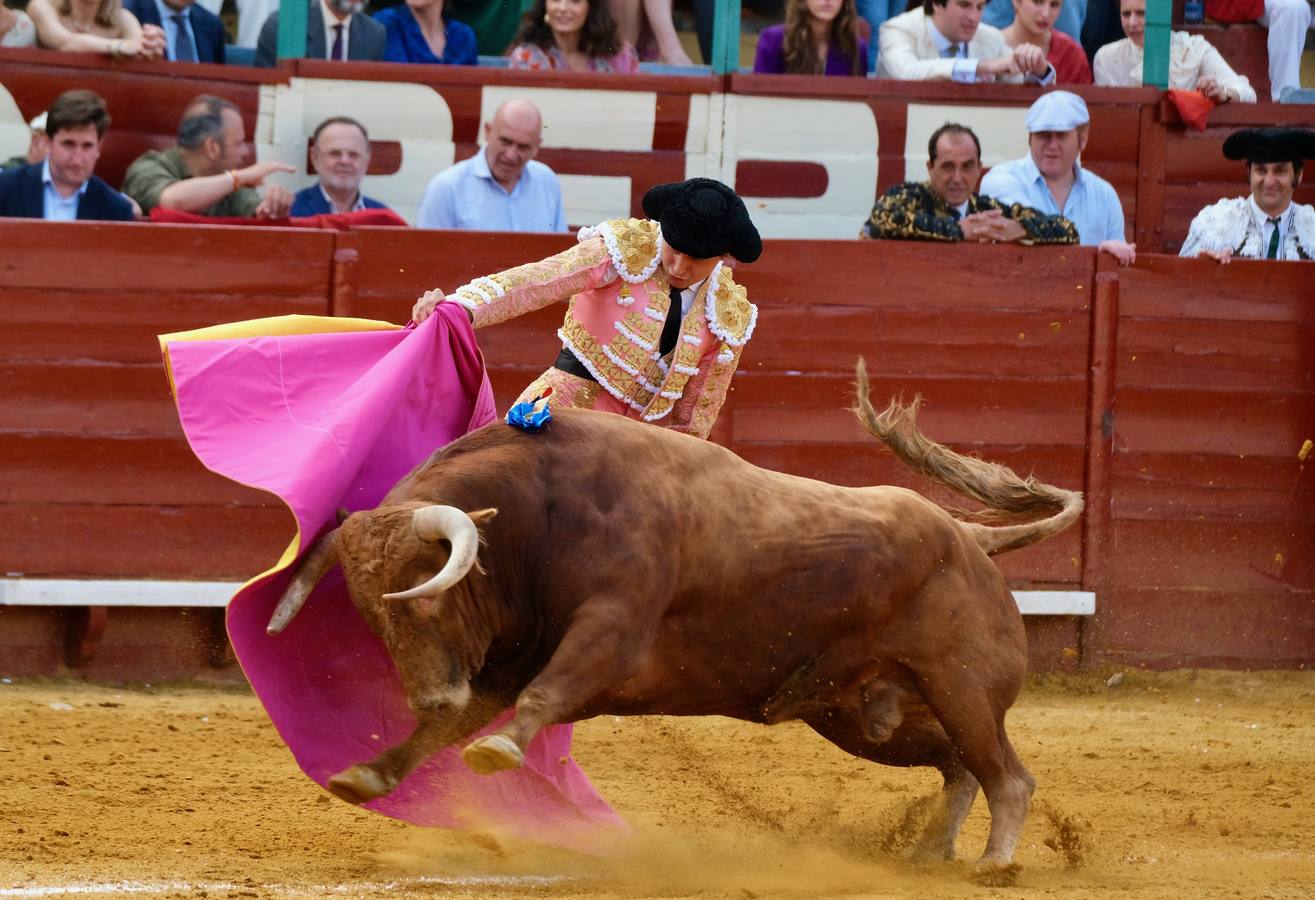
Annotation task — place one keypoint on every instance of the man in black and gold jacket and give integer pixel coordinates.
(945, 208)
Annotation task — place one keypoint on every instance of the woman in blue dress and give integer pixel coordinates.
(418, 32)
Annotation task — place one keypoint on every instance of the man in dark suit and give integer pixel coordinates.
(340, 152)
(348, 34)
(194, 33)
(63, 188)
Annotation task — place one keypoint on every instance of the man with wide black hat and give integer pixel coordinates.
(656, 322)
(1267, 224)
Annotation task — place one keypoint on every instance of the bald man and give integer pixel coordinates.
(503, 188)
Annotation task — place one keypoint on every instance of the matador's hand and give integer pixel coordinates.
(424, 307)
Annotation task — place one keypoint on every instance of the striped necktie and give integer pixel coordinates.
(1272, 252)
(184, 49)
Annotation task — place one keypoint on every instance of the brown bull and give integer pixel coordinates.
(632, 570)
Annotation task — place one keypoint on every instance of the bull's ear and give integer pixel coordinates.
(343, 513)
(480, 516)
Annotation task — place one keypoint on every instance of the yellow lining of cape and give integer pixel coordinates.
(273, 326)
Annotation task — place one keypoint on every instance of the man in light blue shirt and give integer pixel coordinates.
(1051, 179)
(501, 188)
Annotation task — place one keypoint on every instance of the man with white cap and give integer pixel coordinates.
(38, 145)
(1267, 224)
(1051, 179)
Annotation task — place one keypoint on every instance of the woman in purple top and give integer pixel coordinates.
(819, 37)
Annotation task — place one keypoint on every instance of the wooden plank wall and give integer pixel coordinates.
(1211, 507)
(1194, 535)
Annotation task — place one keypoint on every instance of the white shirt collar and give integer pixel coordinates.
(941, 41)
(1262, 217)
(330, 20)
(49, 182)
(962, 209)
(357, 205)
(688, 294)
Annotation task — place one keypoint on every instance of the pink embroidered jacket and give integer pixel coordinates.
(618, 294)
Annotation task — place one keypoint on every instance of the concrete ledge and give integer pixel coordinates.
(76, 592)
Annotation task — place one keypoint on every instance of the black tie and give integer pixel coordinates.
(671, 327)
(1272, 252)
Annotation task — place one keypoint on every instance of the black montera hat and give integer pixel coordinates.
(1268, 145)
(704, 218)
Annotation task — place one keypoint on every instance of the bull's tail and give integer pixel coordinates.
(999, 488)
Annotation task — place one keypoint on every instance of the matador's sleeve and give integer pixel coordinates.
(1040, 228)
(496, 298)
(903, 214)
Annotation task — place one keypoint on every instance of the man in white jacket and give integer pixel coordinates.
(1267, 224)
(946, 40)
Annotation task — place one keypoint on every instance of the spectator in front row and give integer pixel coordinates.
(1051, 179)
(335, 29)
(502, 187)
(38, 145)
(419, 32)
(819, 37)
(577, 35)
(340, 152)
(192, 33)
(945, 40)
(16, 28)
(945, 207)
(1034, 23)
(1266, 225)
(1071, 18)
(1287, 21)
(201, 175)
(63, 187)
(94, 26)
(1194, 65)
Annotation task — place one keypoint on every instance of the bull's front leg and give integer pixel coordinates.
(600, 650)
(438, 725)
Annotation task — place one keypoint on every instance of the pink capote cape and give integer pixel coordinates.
(327, 413)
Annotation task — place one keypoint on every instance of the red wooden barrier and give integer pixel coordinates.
(1176, 394)
(1214, 395)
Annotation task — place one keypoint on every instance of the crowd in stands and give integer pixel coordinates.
(1040, 42)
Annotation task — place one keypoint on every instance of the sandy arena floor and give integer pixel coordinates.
(1180, 785)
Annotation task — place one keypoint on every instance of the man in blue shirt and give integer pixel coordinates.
(1051, 179)
(501, 188)
(63, 188)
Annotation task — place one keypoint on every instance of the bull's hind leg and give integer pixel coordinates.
(915, 738)
(975, 726)
(435, 729)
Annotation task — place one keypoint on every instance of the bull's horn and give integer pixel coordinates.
(436, 523)
(315, 566)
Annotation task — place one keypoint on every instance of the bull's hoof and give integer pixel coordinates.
(492, 753)
(994, 874)
(359, 784)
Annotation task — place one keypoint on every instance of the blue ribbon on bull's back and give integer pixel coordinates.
(531, 416)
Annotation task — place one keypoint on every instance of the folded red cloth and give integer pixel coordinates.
(1234, 10)
(1193, 106)
(332, 221)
